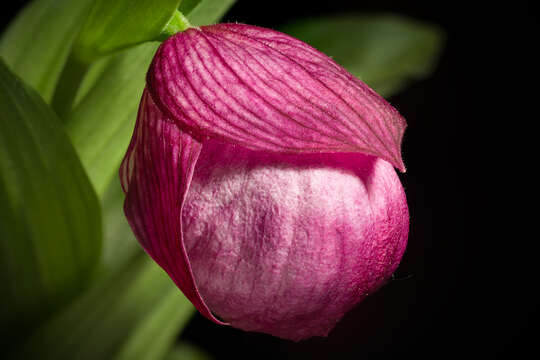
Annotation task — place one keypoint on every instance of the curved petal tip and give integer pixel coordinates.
(264, 90)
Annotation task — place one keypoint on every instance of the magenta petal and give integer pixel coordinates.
(286, 244)
(265, 90)
(156, 174)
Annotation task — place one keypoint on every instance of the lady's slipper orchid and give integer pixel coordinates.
(260, 177)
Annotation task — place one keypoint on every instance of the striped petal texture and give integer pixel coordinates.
(260, 178)
(264, 90)
(155, 175)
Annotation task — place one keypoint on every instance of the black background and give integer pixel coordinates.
(433, 307)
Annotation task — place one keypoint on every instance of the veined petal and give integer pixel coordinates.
(156, 174)
(265, 90)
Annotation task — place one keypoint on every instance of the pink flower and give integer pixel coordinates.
(260, 177)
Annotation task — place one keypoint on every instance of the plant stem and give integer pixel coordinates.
(177, 24)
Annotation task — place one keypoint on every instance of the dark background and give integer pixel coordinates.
(434, 305)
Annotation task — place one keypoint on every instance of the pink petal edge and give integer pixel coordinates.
(264, 90)
(155, 175)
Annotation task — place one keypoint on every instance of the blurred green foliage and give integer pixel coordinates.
(50, 220)
(102, 119)
(115, 25)
(133, 314)
(385, 51)
(184, 351)
(208, 11)
(38, 42)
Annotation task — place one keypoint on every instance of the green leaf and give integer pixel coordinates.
(135, 314)
(209, 11)
(37, 43)
(158, 330)
(115, 25)
(50, 221)
(186, 351)
(119, 243)
(186, 6)
(385, 51)
(102, 121)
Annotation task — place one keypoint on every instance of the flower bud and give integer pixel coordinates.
(260, 177)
